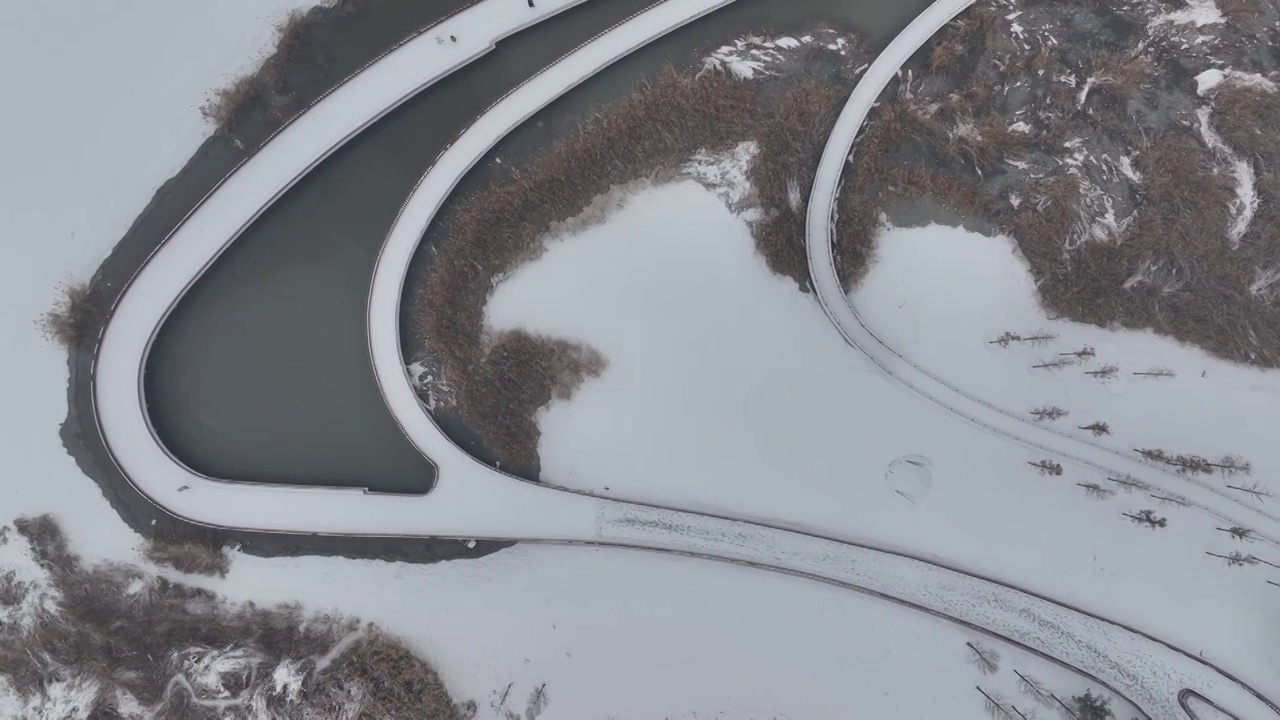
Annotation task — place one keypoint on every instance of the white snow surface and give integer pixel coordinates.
(521, 616)
(727, 391)
(752, 56)
(586, 622)
(1245, 205)
(1209, 80)
(1196, 12)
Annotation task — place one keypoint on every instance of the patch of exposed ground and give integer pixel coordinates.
(192, 555)
(779, 95)
(112, 641)
(1129, 148)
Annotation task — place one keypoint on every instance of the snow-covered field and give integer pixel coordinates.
(727, 390)
(1209, 407)
(710, 640)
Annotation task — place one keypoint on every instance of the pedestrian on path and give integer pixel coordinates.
(530, 3)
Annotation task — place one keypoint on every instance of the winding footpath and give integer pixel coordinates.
(471, 500)
(820, 235)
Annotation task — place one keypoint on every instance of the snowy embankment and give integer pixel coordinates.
(909, 372)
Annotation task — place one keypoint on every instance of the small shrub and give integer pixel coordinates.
(1048, 413)
(983, 657)
(1098, 428)
(1096, 491)
(75, 317)
(1047, 467)
(1147, 518)
(1092, 707)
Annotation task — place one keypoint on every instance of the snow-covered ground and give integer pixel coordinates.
(1210, 407)
(97, 119)
(587, 622)
(727, 390)
(590, 622)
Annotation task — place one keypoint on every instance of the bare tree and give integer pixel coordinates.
(1153, 454)
(1147, 518)
(1033, 687)
(1236, 559)
(538, 700)
(1066, 709)
(983, 657)
(1233, 465)
(1255, 491)
(1054, 364)
(1243, 534)
(994, 707)
(1170, 500)
(1191, 464)
(1083, 353)
(1048, 413)
(1039, 337)
(1006, 338)
(1092, 707)
(1047, 467)
(1157, 372)
(1129, 483)
(1096, 491)
(1106, 372)
(1098, 428)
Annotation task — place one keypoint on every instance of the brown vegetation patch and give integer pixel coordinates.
(133, 638)
(188, 554)
(230, 107)
(75, 317)
(502, 379)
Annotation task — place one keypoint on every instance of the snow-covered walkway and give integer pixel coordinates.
(820, 232)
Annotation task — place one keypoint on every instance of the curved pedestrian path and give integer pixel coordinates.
(472, 500)
(819, 241)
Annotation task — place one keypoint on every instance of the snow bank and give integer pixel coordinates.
(1246, 202)
(752, 56)
(1197, 12)
(1209, 80)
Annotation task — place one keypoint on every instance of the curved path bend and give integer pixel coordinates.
(819, 241)
(471, 500)
(1139, 667)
